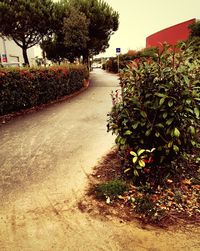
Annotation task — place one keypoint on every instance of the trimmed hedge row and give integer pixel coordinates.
(28, 87)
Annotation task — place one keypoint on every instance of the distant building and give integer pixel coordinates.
(11, 54)
(170, 35)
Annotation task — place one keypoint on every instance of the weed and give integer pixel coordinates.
(111, 188)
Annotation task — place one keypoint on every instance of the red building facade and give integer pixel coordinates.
(171, 35)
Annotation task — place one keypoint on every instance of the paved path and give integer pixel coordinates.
(45, 158)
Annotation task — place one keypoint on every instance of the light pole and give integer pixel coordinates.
(118, 51)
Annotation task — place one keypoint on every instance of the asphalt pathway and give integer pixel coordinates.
(62, 141)
(45, 160)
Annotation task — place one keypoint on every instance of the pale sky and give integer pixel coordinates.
(141, 18)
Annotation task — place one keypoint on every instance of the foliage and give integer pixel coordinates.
(195, 29)
(86, 27)
(75, 30)
(131, 57)
(159, 106)
(111, 65)
(141, 161)
(28, 87)
(26, 22)
(103, 21)
(145, 205)
(111, 188)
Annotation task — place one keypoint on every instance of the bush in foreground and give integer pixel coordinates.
(156, 118)
(23, 88)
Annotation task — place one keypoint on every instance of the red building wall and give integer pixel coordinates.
(171, 35)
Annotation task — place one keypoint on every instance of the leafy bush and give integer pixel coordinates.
(130, 57)
(158, 108)
(23, 88)
(111, 65)
(111, 188)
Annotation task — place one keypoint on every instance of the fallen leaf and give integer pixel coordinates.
(108, 200)
(169, 181)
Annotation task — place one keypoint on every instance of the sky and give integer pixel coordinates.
(141, 18)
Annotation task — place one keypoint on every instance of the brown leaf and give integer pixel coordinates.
(186, 182)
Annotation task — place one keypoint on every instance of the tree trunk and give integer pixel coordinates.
(25, 56)
(86, 60)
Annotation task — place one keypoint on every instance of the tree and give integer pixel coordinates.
(70, 39)
(54, 49)
(75, 30)
(195, 29)
(86, 29)
(26, 22)
(103, 22)
(194, 39)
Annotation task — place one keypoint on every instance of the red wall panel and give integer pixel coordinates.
(170, 35)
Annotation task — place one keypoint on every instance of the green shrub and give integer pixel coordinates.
(23, 88)
(145, 205)
(127, 59)
(111, 188)
(111, 65)
(158, 108)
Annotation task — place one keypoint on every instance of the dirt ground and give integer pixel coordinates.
(46, 160)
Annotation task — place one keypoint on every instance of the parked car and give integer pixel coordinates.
(96, 65)
(14, 64)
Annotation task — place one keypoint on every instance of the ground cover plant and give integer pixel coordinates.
(23, 88)
(156, 119)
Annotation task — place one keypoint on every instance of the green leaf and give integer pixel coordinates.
(162, 100)
(148, 132)
(176, 148)
(157, 134)
(122, 141)
(160, 125)
(127, 170)
(170, 103)
(165, 115)
(139, 167)
(133, 153)
(161, 95)
(196, 111)
(135, 173)
(143, 114)
(186, 79)
(128, 132)
(176, 132)
(135, 159)
(192, 130)
(170, 144)
(169, 121)
(188, 101)
(189, 110)
(141, 163)
(140, 151)
(134, 126)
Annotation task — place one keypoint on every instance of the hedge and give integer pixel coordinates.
(22, 88)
